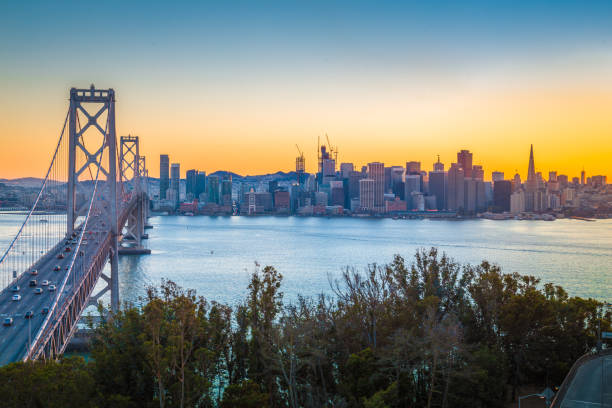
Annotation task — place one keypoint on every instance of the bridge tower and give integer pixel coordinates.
(92, 104)
(132, 168)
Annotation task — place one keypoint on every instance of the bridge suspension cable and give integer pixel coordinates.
(44, 224)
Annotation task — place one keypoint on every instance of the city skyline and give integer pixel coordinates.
(236, 86)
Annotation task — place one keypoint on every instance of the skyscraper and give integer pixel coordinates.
(497, 176)
(456, 188)
(376, 172)
(437, 187)
(226, 190)
(413, 167)
(164, 175)
(213, 189)
(346, 169)
(200, 183)
(438, 166)
(477, 173)
(502, 189)
(190, 183)
(531, 184)
(367, 193)
(175, 179)
(464, 160)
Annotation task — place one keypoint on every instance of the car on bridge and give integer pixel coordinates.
(52, 288)
(15, 288)
(57, 268)
(16, 298)
(68, 249)
(45, 283)
(34, 272)
(33, 282)
(60, 256)
(45, 310)
(29, 314)
(8, 321)
(38, 291)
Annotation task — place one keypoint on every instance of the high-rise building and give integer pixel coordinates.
(329, 168)
(455, 188)
(531, 184)
(517, 201)
(497, 176)
(438, 166)
(502, 189)
(175, 179)
(413, 167)
(397, 181)
(582, 177)
(376, 172)
(200, 183)
(226, 190)
(464, 160)
(367, 194)
(353, 184)
(437, 188)
(552, 176)
(411, 185)
(477, 172)
(346, 169)
(164, 175)
(213, 189)
(469, 195)
(190, 183)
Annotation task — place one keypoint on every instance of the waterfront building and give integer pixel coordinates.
(376, 172)
(367, 193)
(164, 175)
(502, 190)
(175, 179)
(563, 180)
(516, 182)
(430, 202)
(464, 160)
(418, 201)
(599, 181)
(396, 205)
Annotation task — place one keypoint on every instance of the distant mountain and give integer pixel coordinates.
(27, 182)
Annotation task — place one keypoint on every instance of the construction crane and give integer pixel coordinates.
(333, 151)
(300, 165)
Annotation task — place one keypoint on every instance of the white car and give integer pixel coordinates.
(51, 288)
(45, 283)
(38, 291)
(16, 298)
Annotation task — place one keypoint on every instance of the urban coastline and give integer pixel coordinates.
(377, 190)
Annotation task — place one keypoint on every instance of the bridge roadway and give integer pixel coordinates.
(14, 339)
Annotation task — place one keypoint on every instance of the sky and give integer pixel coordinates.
(230, 85)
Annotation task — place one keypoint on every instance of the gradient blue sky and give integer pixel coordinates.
(234, 85)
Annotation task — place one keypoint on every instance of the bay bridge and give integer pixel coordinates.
(92, 204)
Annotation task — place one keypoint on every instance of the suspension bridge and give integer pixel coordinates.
(92, 204)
